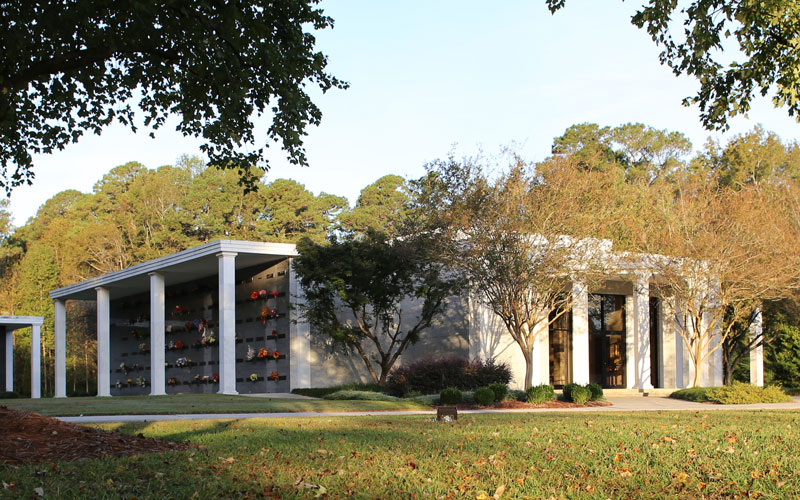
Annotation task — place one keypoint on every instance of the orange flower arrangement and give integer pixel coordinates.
(276, 354)
(274, 375)
(263, 353)
(254, 295)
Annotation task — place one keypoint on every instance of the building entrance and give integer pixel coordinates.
(607, 340)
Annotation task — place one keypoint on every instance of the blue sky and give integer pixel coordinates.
(430, 77)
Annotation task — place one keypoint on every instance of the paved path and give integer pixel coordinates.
(618, 404)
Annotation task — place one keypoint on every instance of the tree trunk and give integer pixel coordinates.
(528, 369)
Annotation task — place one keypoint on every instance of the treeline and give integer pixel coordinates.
(135, 214)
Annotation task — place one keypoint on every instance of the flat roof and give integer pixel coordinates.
(188, 265)
(16, 322)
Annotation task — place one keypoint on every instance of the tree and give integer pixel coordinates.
(724, 252)
(382, 206)
(763, 33)
(74, 67)
(519, 240)
(373, 296)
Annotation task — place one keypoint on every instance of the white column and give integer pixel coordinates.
(580, 333)
(641, 322)
(669, 338)
(543, 347)
(299, 336)
(157, 325)
(60, 339)
(9, 340)
(36, 361)
(227, 322)
(103, 347)
(757, 353)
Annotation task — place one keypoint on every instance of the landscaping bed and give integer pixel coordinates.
(26, 437)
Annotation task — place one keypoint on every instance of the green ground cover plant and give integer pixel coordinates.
(736, 393)
(360, 396)
(561, 455)
(321, 392)
(197, 403)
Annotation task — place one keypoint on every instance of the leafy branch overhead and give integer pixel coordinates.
(736, 49)
(73, 67)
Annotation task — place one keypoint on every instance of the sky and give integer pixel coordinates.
(430, 78)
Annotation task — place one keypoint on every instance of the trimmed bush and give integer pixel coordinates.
(696, 394)
(518, 395)
(430, 376)
(580, 394)
(597, 392)
(740, 393)
(321, 392)
(8, 395)
(484, 396)
(360, 395)
(540, 394)
(450, 396)
(567, 391)
(500, 390)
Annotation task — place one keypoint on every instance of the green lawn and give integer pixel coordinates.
(195, 403)
(559, 455)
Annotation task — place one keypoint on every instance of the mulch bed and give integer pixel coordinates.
(520, 405)
(27, 437)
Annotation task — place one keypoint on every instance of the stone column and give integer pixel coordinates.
(227, 322)
(757, 353)
(9, 358)
(641, 322)
(103, 347)
(580, 333)
(157, 326)
(299, 336)
(60, 339)
(669, 338)
(36, 361)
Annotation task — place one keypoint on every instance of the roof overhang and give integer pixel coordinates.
(182, 267)
(11, 323)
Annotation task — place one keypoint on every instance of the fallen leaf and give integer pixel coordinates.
(499, 491)
(39, 491)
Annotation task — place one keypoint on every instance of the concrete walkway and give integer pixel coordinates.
(619, 404)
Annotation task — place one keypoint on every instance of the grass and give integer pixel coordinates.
(320, 392)
(610, 455)
(196, 403)
(736, 393)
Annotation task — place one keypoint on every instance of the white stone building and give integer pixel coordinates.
(222, 317)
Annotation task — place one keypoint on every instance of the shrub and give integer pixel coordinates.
(580, 394)
(696, 394)
(484, 396)
(360, 395)
(450, 396)
(540, 394)
(567, 391)
(597, 392)
(321, 392)
(430, 376)
(740, 393)
(8, 395)
(500, 390)
(518, 395)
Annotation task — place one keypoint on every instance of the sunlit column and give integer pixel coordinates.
(299, 336)
(757, 353)
(580, 333)
(9, 358)
(60, 340)
(157, 325)
(641, 321)
(227, 322)
(36, 361)
(103, 347)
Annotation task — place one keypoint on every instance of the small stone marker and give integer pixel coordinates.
(446, 411)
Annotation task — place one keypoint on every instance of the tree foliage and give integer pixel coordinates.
(68, 68)
(372, 295)
(764, 35)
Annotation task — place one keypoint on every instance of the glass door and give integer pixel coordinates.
(561, 349)
(607, 340)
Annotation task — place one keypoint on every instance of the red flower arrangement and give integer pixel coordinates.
(275, 332)
(276, 354)
(253, 295)
(215, 378)
(274, 375)
(178, 309)
(263, 353)
(274, 294)
(188, 326)
(179, 344)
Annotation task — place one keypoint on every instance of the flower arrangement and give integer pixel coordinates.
(168, 329)
(181, 362)
(206, 379)
(262, 293)
(215, 378)
(251, 353)
(197, 379)
(275, 332)
(188, 326)
(143, 347)
(141, 382)
(179, 344)
(274, 294)
(123, 367)
(172, 381)
(268, 313)
(178, 310)
(254, 295)
(254, 377)
(207, 340)
(276, 354)
(118, 384)
(263, 353)
(129, 381)
(274, 375)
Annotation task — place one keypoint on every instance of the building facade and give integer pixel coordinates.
(223, 318)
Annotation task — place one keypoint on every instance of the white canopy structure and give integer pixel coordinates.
(10, 323)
